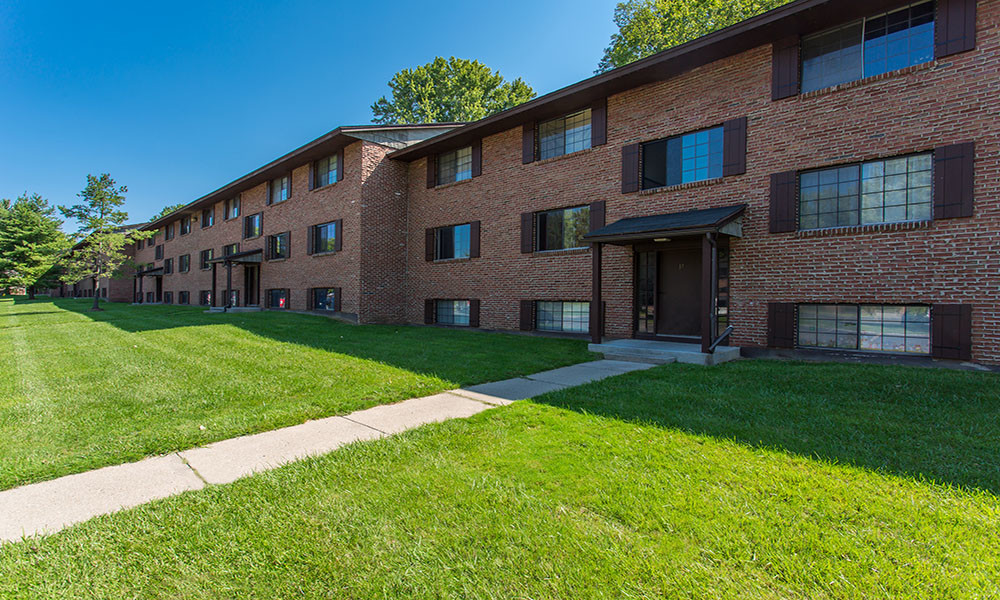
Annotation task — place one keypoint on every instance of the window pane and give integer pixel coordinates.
(277, 299)
(829, 198)
(323, 299)
(572, 317)
(563, 229)
(455, 166)
(831, 57)
(899, 39)
(452, 312)
(325, 238)
(564, 135)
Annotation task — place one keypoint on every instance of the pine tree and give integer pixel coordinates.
(31, 242)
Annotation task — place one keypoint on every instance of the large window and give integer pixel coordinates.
(252, 226)
(324, 299)
(869, 47)
(452, 242)
(206, 255)
(279, 190)
(277, 299)
(562, 229)
(277, 246)
(208, 217)
(570, 317)
(451, 312)
(454, 166)
(564, 135)
(681, 159)
(184, 263)
(325, 171)
(879, 191)
(869, 327)
(231, 208)
(325, 237)
(185, 224)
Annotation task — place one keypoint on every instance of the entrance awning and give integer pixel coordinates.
(726, 220)
(150, 272)
(249, 256)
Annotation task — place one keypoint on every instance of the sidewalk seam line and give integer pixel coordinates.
(348, 418)
(193, 470)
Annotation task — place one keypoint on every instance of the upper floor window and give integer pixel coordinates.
(564, 135)
(878, 191)
(185, 225)
(168, 266)
(208, 217)
(252, 226)
(169, 235)
(231, 208)
(869, 47)
(230, 249)
(452, 242)
(206, 256)
(684, 158)
(277, 246)
(138, 244)
(454, 166)
(279, 190)
(562, 229)
(184, 263)
(326, 171)
(159, 252)
(151, 241)
(324, 237)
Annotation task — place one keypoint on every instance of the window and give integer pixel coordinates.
(251, 226)
(234, 297)
(183, 298)
(159, 252)
(879, 191)
(208, 217)
(869, 47)
(869, 327)
(570, 317)
(562, 229)
(277, 246)
(325, 171)
(454, 166)
(138, 244)
(185, 225)
(170, 232)
(451, 312)
(205, 298)
(231, 209)
(325, 238)
(230, 249)
(324, 299)
(564, 135)
(279, 190)
(452, 242)
(168, 297)
(184, 263)
(150, 297)
(168, 266)
(206, 255)
(151, 241)
(682, 159)
(277, 299)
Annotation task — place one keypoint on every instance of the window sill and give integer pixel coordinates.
(330, 253)
(452, 184)
(277, 203)
(545, 161)
(252, 237)
(933, 64)
(859, 229)
(566, 252)
(451, 260)
(323, 187)
(682, 186)
(274, 260)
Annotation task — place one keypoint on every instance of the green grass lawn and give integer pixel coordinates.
(80, 390)
(754, 479)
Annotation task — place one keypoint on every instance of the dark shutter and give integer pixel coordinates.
(267, 199)
(951, 331)
(337, 300)
(734, 147)
(477, 158)
(597, 210)
(781, 325)
(526, 308)
(309, 299)
(527, 240)
(267, 248)
(474, 313)
(954, 27)
(429, 245)
(630, 168)
(953, 180)
(340, 164)
(785, 68)
(431, 171)
(784, 197)
(290, 185)
(312, 175)
(311, 239)
(474, 239)
(338, 242)
(528, 143)
(428, 312)
(599, 122)
(288, 250)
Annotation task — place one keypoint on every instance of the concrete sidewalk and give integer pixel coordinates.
(47, 507)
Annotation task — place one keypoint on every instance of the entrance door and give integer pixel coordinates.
(251, 282)
(678, 291)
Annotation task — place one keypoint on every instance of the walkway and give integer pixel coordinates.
(47, 507)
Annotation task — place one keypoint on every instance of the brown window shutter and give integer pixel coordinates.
(312, 176)
(780, 325)
(526, 308)
(597, 210)
(267, 193)
(337, 299)
(734, 147)
(311, 239)
(309, 299)
(953, 180)
(290, 185)
(474, 239)
(528, 143)
(288, 251)
(267, 248)
(338, 242)
(429, 245)
(428, 312)
(784, 197)
(431, 171)
(951, 331)
(785, 68)
(340, 164)
(474, 313)
(954, 27)
(527, 239)
(630, 168)
(477, 158)
(599, 122)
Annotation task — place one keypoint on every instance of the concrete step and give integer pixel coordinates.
(650, 351)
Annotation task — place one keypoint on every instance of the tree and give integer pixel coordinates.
(650, 26)
(448, 90)
(31, 242)
(103, 235)
(167, 210)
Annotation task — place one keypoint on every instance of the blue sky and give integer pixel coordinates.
(176, 99)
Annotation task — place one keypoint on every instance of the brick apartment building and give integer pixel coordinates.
(823, 177)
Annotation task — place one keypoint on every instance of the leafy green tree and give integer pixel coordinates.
(650, 26)
(448, 90)
(167, 210)
(31, 242)
(103, 236)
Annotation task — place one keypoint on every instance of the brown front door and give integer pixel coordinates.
(678, 302)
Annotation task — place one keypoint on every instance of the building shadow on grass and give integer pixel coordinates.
(930, 424)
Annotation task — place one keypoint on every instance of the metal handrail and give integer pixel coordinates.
(721, 338)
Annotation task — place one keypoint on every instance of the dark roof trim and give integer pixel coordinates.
(692, 222)
(153, 271)
(795, 18)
